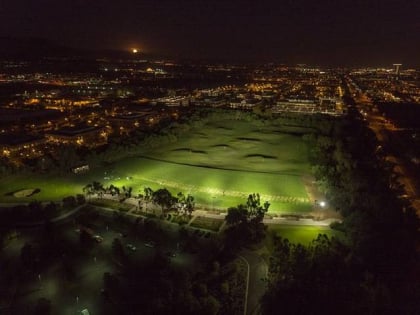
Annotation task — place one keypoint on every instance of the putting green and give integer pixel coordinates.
(220, 164)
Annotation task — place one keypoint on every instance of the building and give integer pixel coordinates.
(21, 146)
(128, 122)
(82, 135)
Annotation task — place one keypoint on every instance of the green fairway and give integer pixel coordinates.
(215, 187)
(220, 164)
(238, 145)
(52, 187)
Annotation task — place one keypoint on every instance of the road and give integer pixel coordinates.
(382, 127)
(256, 286)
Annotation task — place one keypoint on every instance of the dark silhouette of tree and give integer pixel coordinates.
(80, 199)
(69, 202)
(148, 195)
(189, 204)
(184, 204)
(180, 203)
(27, 256)
(237, 215)
(98, 188)
(245, 222)
(88, 190)
(113, 190)
(42, 307)
(67, 158)
(35, 207)
(50, 209)
(164, 199)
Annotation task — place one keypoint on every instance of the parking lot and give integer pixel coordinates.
(73, 279)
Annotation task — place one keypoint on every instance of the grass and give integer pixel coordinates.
(207, 223)
(220, 164)
(216, 187)
(51, 187)
(298, 233)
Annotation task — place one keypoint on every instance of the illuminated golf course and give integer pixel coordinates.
(219, 163)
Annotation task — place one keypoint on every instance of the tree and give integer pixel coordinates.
(180, 203)
(27, 256)
(164, 199)
(236, 215)
(88, 190)
(67, 158)
(43, 307)
(252, 212)
(185, 204)
(148, 195)
(245, 222)
(35, 207)
(80, 199)
(128, 192)
(69, 202)
(256, 211)
(210, 305)
(190, 204)
(98, 188)
(50, 209)
(113, 190)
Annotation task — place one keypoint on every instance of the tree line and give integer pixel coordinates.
(162, 197)
(370, 269)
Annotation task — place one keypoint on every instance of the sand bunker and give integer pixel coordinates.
(26, 192)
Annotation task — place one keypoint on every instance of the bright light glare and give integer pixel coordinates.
(322, 204)
(135, 50)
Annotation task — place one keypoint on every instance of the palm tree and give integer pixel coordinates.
(128, 192)
(111, 189)
(148, 194)
(181, 202)
(98, 188)
(88, 190)
(190, 204)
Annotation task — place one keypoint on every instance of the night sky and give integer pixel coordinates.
(362, 32)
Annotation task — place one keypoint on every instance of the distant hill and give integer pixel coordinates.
(32, 48)
(37, 48)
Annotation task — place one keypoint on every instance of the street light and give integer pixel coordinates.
(322, 204)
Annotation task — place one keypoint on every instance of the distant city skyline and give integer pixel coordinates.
(300, 31)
